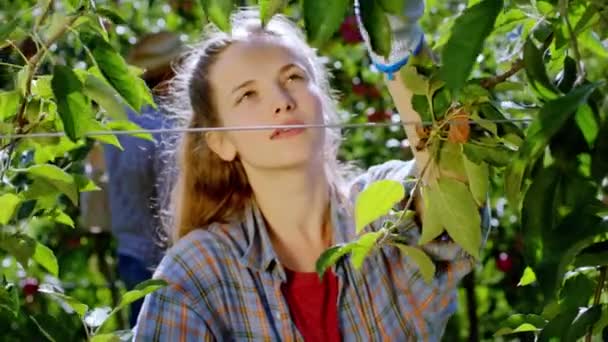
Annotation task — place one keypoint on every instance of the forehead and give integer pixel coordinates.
(254, 59)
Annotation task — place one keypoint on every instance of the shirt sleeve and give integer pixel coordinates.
(167, 315)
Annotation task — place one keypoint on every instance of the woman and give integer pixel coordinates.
(255, 209)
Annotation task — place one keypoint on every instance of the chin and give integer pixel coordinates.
(294, 159)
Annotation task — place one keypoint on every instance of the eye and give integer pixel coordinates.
(295, 77)
(246, 95)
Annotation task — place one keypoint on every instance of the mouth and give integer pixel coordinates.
(282, 133)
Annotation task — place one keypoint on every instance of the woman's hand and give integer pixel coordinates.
(407, 36)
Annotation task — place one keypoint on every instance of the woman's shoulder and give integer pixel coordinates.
(198, 259)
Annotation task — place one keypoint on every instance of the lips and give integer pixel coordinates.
(287, 132)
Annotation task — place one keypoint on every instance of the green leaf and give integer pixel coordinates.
(602, 322)
(41, 86)
(7, 28)
(268, 8)
(576, 292)
(63, 218)
(521, 328)
(106, 96)
(141, 290)
(550, 120)
(558, 326)
(478, 175)
(116, 71)
(376, 200)
(9, 299)
(535, 70)
(527, 278)
(319, 27)
(56, 23)
(106, 338)
(539, 210)
(421, 105)
(431, 222)
(19, 245)
(9, 103)
(78, 307)
(45, 257)
(363, 246)
(599, 162)
(85, 184)
(125, 125)
(442, 100)
(587, 124)
(561, 245)
(590, 41)
(490, 112)
(395, 7)
(458, 213)
(72, 106)
(112, 15)
(116, 336)
(9, 203)
(568, 76)
(521, 322)
(97, 127)
(414, 81)
(377, 26)
(592, 256)
(583, 322)
(498, 155)
(218, 12)
(424, 262)
(57, 178)
(330, 256)
(466, 41)
(21, 80)
(451, 159)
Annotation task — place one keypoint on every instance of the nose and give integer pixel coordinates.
(284, 102)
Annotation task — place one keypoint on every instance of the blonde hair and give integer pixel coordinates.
(208, 189)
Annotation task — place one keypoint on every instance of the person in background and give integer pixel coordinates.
(137, 174)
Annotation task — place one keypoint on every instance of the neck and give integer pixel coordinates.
(294, 202)
(295, 205)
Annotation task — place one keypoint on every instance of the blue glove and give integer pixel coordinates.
(407, 37)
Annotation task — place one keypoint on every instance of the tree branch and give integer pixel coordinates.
(580, 67)
(469, 286)
(44, 15)
(491, 82)
(597, 297)
(32, 66)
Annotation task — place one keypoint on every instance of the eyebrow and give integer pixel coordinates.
(282, 70)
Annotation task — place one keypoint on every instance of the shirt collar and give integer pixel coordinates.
(259, 253)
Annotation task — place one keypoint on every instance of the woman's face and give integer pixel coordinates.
(265, 82)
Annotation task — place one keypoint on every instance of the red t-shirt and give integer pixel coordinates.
(313, 304)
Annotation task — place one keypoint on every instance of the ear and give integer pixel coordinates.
(219, 143)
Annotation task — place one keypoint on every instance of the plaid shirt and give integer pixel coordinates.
(225, 283)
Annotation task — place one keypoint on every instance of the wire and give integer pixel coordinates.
(242, 128)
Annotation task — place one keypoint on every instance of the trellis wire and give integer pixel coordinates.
(247, 128)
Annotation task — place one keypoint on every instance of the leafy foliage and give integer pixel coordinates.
(62, 71)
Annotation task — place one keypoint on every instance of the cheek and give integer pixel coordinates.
(312, 100)
(249, 142)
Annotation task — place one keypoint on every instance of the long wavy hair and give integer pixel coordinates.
(208, 189)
